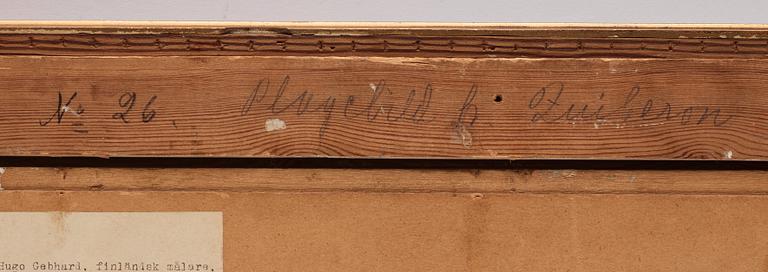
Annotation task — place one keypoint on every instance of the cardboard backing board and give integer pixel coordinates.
(348, 231)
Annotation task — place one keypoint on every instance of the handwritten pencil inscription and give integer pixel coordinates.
(127, 101)
(550, 104)
(370, 108)
(382, 103)
(63, 107)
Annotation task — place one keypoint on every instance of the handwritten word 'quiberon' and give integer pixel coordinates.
(550, 105)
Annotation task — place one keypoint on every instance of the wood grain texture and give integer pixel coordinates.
(384, 107)
(383, 39)
(383, 90)
(478, 181)
(284, 42)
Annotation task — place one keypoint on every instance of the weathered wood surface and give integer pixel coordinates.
(384, 39)
(384, 107)
(384, 90)
(479, 181)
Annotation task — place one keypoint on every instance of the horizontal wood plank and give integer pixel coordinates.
(383, 39)
(384, 107)
(383, 45)
(481, 181)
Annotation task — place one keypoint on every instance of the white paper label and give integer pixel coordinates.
(111, 241)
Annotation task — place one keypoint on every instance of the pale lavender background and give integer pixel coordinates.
(586, 11)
